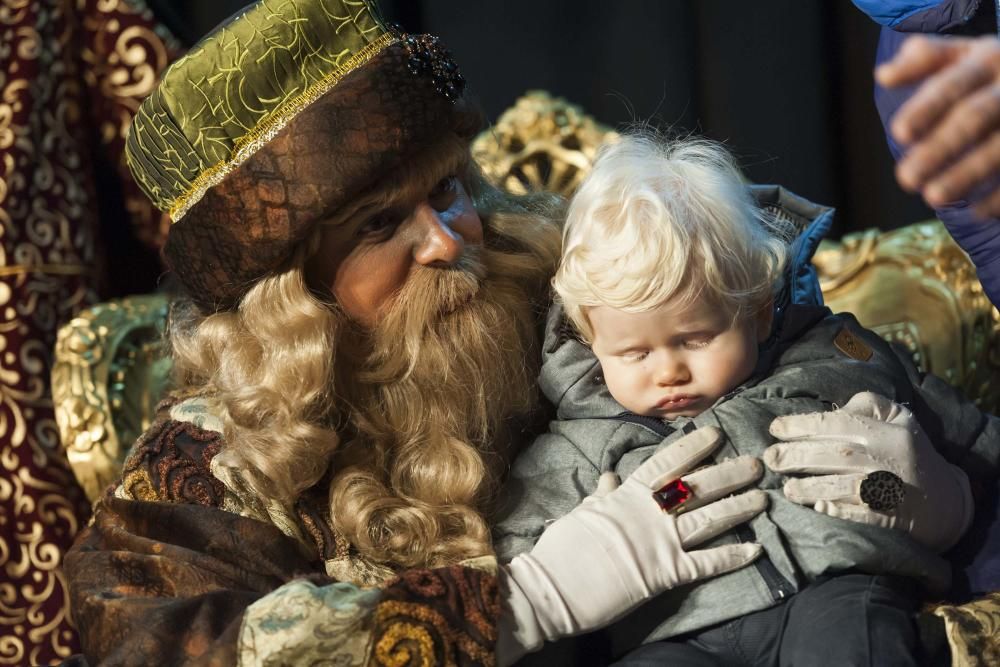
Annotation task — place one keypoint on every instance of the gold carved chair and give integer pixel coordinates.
(916, 287)
(109, 372)
(913, 285)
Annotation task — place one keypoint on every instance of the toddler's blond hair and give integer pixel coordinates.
(660, 221)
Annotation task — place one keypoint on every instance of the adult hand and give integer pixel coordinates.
(951, 124)
(872, 433)
(614, 551)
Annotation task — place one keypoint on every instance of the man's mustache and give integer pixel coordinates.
(431, 292)
(422, 314)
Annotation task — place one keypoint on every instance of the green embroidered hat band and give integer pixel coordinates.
(276, 120)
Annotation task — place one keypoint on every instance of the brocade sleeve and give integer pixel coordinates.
(186, 582)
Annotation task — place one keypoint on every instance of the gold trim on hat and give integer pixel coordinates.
(268, 128)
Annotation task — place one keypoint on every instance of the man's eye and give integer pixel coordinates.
(443, 187)
(379, 225)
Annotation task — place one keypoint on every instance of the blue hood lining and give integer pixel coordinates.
(919, 15)
(812, 222)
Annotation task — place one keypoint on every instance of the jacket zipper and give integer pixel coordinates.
(777, 585)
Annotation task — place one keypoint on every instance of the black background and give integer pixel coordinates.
(786, 83)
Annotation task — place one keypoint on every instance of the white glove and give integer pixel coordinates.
(872, 433)
(614, 551)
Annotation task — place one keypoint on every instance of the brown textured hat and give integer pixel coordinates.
(277, 120)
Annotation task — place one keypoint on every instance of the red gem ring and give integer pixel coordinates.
(672, 496)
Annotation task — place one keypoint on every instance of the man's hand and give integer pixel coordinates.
(618, 548)
(951, 125)
(870, 433)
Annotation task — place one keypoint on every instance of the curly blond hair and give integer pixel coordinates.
(660, 220)
(415, 418)
(267, 367)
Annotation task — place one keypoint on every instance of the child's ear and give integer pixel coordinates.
(765, 318)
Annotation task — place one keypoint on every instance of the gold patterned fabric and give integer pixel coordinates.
(182, 578)
(72, 72)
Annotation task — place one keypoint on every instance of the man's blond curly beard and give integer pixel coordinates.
(446, 373)
(414, 418)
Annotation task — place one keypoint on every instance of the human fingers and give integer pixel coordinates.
(856, 513)
(918, 57)
(933, 99)
(835, 488)
(720, 480)
(677, 458)
(704, 523)
(958, 180)
(819, 458)
(963, 127)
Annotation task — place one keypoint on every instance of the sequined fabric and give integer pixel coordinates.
(426, 56)
(72, 72)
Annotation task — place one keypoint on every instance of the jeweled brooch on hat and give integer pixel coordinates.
(427, 56)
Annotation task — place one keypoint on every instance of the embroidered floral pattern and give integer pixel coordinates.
(172, 462)
(443, 616)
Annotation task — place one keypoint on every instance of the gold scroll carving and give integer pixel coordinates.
(916, 287)
(108, 375)
(542, 143)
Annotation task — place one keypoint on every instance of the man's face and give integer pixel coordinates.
(367, 259)
(674, 361)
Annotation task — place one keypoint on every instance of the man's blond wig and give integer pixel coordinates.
(417, 462)
(660, 221)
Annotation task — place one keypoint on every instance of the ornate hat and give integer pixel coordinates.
(275, 121)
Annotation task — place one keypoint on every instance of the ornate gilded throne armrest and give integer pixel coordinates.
(915, 287)
(109, 372)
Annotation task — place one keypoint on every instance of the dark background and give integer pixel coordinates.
(786, 83)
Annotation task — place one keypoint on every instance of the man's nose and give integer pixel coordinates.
(443, 237)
